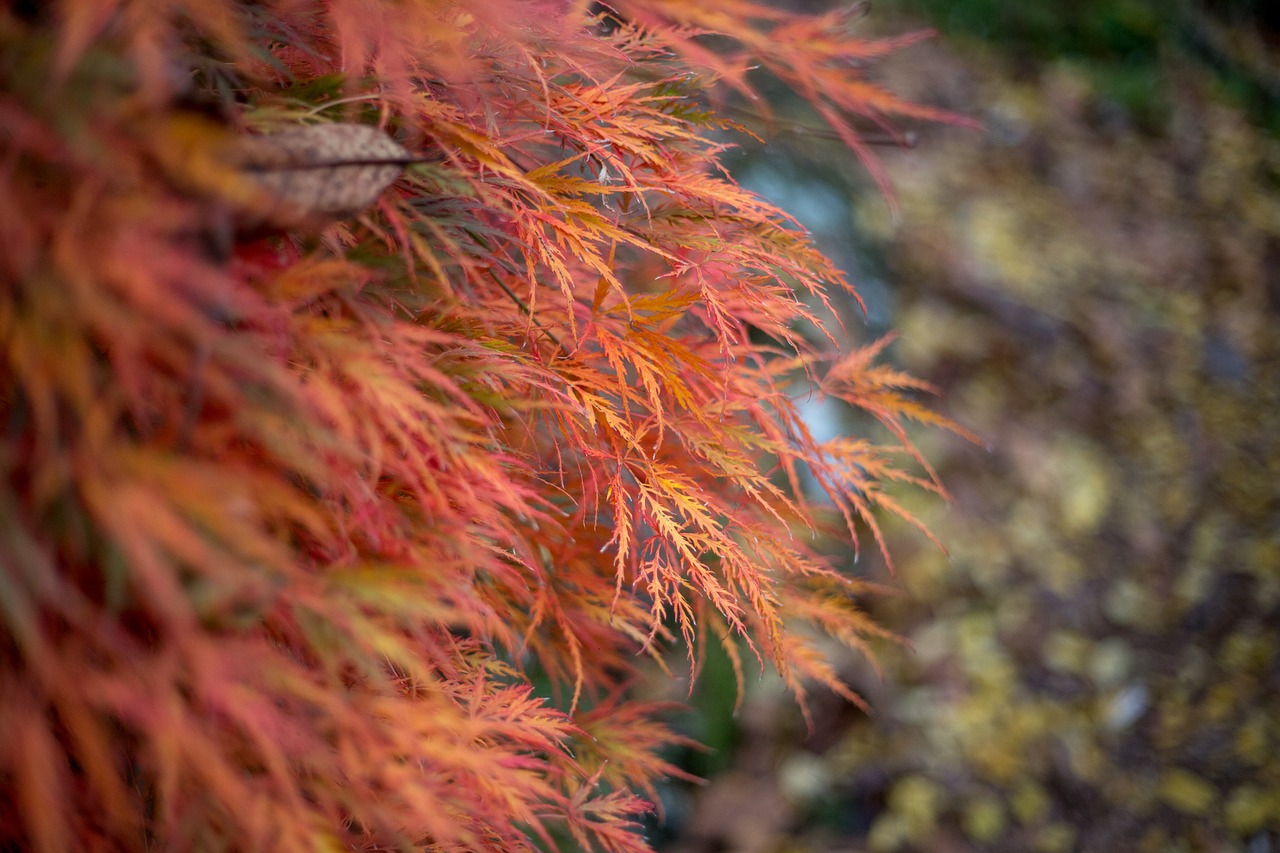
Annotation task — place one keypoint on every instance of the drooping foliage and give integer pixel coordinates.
(361, 362)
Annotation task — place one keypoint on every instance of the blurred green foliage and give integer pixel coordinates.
(1124, 46)
(1103, 30)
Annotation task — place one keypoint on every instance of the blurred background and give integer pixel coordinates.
(1093, 281)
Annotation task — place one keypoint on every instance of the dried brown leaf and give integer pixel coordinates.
(320, 172)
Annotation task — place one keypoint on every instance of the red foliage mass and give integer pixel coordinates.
(295, 500)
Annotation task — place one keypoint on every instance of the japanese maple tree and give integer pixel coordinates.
(361, 361)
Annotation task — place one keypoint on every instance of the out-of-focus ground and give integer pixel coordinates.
(1094, 283)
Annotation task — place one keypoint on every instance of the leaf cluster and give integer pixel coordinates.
(305, 476)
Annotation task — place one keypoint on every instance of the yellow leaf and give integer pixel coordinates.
(1186, 791)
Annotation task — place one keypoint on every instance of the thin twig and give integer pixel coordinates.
(525, 308)
(908, 139)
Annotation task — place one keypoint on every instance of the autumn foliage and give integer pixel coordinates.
(363, 364)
